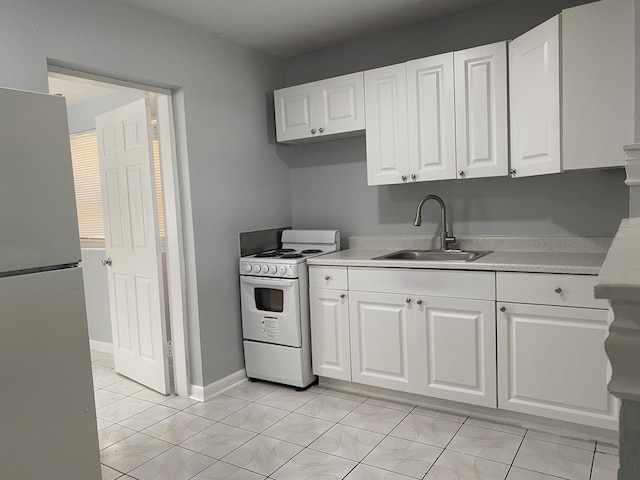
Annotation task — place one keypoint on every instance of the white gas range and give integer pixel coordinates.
(275, 307)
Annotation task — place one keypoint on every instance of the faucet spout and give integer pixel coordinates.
(445, 239)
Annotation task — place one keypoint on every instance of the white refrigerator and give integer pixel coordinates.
(47, 408)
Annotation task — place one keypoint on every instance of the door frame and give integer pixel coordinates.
(174, 229)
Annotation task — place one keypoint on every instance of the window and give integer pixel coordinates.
(86, 177)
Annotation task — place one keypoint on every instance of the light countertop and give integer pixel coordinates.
(584, 263)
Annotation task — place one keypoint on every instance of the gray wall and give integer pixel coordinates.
(96, 294)
(329, 186)
(228, 159)
(82, 116)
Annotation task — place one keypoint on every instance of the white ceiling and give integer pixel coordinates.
(286, 28)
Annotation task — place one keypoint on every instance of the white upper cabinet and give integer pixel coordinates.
(432, 134)
(534, 94)
(386, 118)
(454, 108)
(481, 111)
(321, 110)
(597, 83)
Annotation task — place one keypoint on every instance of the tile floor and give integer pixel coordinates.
(259, 431)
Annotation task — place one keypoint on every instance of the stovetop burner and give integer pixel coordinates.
(292, 255)
(272, 254)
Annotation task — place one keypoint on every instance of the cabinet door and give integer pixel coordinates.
(481, 111)
(385, 91)
(534, 95)
(341, 104)
(382, 328)
(552, 363)
(330, 347)
(456, 350)
(294, 107)
(432, 136)
(597, 83)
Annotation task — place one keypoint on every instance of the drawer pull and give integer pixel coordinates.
(327, 277)
(408, 300)
(503, 309)
(558, 290)
(343, 296)
(419, 302)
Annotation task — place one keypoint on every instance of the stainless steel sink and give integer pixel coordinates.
(434, 255)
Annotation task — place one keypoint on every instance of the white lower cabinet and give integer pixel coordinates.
(382, 329)
(551, 358)
(456, 350)
(538, 350)
(331, 351)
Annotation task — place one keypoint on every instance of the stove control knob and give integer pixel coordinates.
(265, 269)
(283, 271)
(247, 268)
(256, 269)
(273, 269)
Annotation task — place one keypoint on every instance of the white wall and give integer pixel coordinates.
(329, 179)
(222, 101)
(96, 294)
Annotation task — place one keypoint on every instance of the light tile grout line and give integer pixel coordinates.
(516, 455)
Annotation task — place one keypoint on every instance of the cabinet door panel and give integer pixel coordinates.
(382, 327)
(597, 83)
(552, 363)
(330, 333)
(456, 342)
(534, 94)
(294, 107)
(386, 119)
(341, 102)
(430, 94)
(481, 111)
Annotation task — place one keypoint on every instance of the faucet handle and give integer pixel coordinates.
(449, 242)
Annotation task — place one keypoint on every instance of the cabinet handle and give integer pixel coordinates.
(503, 309)
(404, 178)
(321, 129)
(313, 131)
(558, 290)
(413, 176)
(419, 302)
(343, 296)
(408, 300)
(327, 278)
(512, 172)
(461, 173)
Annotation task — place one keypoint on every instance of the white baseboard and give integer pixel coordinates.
(103, 347)
(202, 394)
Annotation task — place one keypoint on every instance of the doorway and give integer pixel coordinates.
(89, 95)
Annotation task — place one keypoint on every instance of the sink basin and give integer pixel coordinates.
(434, 255)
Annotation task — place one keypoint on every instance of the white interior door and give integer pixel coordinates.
(131, 236)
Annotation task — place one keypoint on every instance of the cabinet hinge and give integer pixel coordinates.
(168, 349)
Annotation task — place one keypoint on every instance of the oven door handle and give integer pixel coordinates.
(267, 281)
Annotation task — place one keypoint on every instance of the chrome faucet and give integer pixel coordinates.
(446, 241)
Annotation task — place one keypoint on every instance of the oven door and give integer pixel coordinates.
(271, 310)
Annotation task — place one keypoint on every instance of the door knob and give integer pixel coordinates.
(106, 263)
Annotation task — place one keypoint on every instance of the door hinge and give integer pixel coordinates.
(168, 349)
(161, 243)
(153, 131)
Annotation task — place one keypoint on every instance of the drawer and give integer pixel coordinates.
(328, 277)
(435, 283)
(548, 289)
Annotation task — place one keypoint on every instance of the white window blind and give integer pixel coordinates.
(86, 177)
